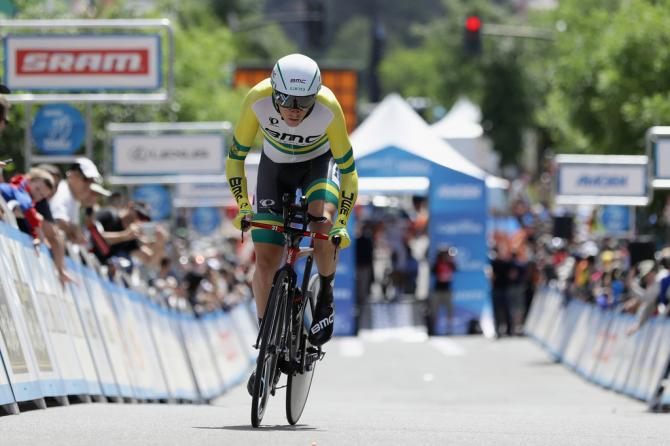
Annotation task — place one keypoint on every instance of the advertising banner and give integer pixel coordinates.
(177, 373)
(206, 220)
(201, 357)
(58, 129)
(177, 154)
(661, 152)
(158, 199)
(111, 332)
(14, 343)
(83, 62)
(602, 179)
(92, 333)
(575, 347)
(227, 346)
(48, 292)
(156, 387)
(33, 316)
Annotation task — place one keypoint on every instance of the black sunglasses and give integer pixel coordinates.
(299, 102)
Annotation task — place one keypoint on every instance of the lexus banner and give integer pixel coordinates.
(83, 62)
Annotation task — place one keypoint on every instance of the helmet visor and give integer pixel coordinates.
(289, 101)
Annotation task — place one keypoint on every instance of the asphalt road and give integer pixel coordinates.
(376, 390)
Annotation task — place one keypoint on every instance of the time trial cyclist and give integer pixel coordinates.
(305, 146)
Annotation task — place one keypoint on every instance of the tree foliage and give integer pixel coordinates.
(609, 75)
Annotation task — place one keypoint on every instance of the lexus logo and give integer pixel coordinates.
(267, 202)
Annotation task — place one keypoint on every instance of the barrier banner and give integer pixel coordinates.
(627, 351)
(48, 291)
(227, 347)
(244, 319)
(6, 395)
(17, 246)
(175, 364)
(589, 355)
(642, 340)
(562, 330)
(156, 387)
(92, 333)
(201, 357)
(551, 313)
(614, 351)
(14, 344)
(659, 358)
(110, 331)
(600, 351)
(575, 346)
(648, 361)
(536, 310)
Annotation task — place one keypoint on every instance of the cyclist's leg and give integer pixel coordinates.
(268, 257)
(322, 194)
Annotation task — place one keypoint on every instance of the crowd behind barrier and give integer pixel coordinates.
(94, 339)
(599, 344)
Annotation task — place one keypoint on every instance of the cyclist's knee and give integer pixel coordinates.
(267, 258)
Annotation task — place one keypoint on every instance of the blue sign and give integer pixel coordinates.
(616, 219)
(206, 220)
(58, 129)
(157, 197)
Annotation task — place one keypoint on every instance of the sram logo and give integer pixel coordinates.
(82, 61)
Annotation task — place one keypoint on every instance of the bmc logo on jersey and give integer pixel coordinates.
(288, 137)
(300, 81)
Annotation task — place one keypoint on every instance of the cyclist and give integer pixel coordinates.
(306, 146)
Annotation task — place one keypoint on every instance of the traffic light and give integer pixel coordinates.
(316, 15)
(472, 40)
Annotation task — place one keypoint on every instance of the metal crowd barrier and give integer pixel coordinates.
(594, 343)
(97, 340)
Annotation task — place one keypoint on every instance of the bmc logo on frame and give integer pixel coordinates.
(134, 61)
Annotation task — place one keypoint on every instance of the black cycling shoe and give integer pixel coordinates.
(250, 383)
(324, 318)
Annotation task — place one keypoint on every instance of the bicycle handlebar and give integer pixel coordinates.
(246, 224)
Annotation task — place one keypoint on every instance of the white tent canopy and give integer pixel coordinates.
(462, 122)
(393, 123)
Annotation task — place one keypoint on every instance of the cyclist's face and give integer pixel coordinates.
(292, 116)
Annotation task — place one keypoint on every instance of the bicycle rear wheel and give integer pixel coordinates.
(298, 386)
(268, 354)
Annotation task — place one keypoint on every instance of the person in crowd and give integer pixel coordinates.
(81, 177)
(123, 233)
(364, 263)
(646, 289)
(443, 270)
(25, 191)
(500, 270)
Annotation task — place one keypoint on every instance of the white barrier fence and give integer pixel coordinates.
(95, 339)
(594, 343)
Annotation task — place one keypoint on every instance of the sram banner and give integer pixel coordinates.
(603, 179)
(83, 62)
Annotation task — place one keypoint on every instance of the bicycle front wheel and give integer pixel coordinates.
(268, 354)
(298, 386)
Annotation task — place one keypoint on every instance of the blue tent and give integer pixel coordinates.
(395, 142)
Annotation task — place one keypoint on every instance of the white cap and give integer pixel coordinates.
(88, 169)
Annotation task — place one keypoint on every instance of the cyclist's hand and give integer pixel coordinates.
(341, 232)
(244, 214)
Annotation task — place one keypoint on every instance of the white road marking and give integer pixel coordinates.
(402, 334)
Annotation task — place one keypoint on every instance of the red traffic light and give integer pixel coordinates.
(473, 24)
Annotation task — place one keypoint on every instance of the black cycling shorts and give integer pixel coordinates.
(318, 179)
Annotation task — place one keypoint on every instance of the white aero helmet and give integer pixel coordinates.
(294, 77)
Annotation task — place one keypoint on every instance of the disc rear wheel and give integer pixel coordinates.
(298, 386)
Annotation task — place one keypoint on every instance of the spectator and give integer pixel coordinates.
(443, 270)
(26, 190)
(364, 258)
(646, 289)
(81, 177)
(500, 269)
(123, 233)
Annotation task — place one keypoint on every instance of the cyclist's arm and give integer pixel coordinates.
(243, 138)
(340, 146)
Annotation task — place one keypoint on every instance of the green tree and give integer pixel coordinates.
(609, 75)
